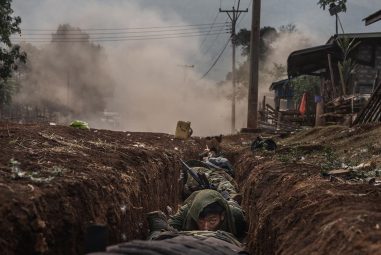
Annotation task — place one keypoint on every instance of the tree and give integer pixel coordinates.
(306, 84)
(341, 3)
(9, 54)
(348, 65)
(267, 36)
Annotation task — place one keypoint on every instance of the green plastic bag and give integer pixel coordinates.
(80, 124)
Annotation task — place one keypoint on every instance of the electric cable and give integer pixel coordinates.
(107, 40)
(214, 40)
(82, 36)
(216, 60)
(119, 29)
(211, 27)
(80, 32)
(248, 7)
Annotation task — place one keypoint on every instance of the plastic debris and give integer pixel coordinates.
(80, 124)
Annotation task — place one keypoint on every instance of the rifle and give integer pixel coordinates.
(200, 178)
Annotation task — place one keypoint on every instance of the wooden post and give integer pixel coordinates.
(252, 115)
(320, 121)
(332, 76)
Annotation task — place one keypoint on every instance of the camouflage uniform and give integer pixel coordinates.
(185, 219)
(217, 177)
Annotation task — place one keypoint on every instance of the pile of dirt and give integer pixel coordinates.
(55, 181)
(294, 208)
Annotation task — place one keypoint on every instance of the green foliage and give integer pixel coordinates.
(10, 54)
(330, 160)
(7, 89)
(306, 83)
(291, 156)
(326, 3)
(348, 65)
(243, 39)
(267, 36)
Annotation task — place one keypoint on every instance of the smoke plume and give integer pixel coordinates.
(138, 85)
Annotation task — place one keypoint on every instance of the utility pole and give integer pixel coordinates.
(233, 14)
(252, 113)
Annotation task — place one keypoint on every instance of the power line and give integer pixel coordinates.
(214, 40)
(108, 40)
(80, 32)
(243, 15)
(84, 36)
(216, 60)
(211, 27)
(119, 29)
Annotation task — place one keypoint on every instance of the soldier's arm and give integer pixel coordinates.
(177, 221)
(239, 219)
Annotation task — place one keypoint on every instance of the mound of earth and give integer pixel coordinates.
(295, 206)
(55, 181)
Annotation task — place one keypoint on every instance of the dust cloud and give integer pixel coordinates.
(128, 85)
(141, 85)
(279, 50)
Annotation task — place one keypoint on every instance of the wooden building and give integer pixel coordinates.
(346, 96)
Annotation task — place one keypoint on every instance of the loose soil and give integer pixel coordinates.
(294, 208)
(55, 181)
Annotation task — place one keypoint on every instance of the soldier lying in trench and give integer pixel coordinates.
(218, 178)
(206, 213)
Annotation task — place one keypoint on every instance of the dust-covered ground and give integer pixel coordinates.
(296, 205)
(55, 181)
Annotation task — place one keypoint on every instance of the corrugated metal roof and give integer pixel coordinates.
(374, 35)
(309, 61)
(314, 60)
(372, 18)
(276, 84)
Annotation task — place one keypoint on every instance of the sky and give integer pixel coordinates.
(156, 83)
(305, 14)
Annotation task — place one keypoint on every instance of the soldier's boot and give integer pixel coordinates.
(157, 221)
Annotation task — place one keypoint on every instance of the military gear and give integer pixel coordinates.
(185, 219)
(260, 143)
(221, 163)
(157, 221)
(201, 235)
(183, 130)
(158, 224)
(199, 177)
(178, 245)
(217, 178)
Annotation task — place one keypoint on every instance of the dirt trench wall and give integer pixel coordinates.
(72, 178)
(293, 210)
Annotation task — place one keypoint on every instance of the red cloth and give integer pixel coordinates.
(303, 104)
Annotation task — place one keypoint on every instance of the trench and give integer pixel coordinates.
(290, 208)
